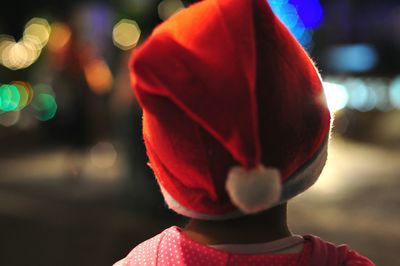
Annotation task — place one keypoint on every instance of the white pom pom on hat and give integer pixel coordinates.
(254, 190)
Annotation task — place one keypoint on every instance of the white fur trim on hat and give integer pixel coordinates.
(254, 190)
(302, 179)
(179, 208)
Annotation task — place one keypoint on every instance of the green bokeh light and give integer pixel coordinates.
(45, 106)
(9, 97)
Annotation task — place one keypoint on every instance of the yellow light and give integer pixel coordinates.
(98, 76)
(167, 8)
(126, 34)
(17, 55)
(103, 155)
(59, 37)
(5, 52)
(5, 40)
(32, 50)
(37, 31)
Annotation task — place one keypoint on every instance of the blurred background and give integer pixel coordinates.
(74, 185)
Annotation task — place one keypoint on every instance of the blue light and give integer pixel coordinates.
(288, 14)
(352, 58)
(276, 5)
(298, 30)
(394, 92)
(310, 12)
(362, 97)
(381, 93)
(306, 39)
(300, 17)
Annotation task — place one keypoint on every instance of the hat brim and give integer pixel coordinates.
(297, 183)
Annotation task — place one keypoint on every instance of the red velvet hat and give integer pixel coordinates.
(234, 116)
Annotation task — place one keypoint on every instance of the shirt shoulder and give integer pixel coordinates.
(326, 253)
(353, 258)
(145, 253)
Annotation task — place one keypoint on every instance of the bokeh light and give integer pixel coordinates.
(394, 92)
(168, 8)
(10, 118)
(361, 97)
(287, 13)
(13, 55)
(103, 155)
(59, 37)
(9, 97)
(98, 76)
(355, 58)
(310, 12)
(33, 52)
(17, 95)
(380, 94)
(300, 17)
(44, 103)
(37, 31)
(4, 41)
(336, 95)
(45, 107)
(25, 92)
(18, 55)
(126, 34)
(362, 94)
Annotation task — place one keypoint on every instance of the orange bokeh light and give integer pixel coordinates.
(60, 37)
(98, 76)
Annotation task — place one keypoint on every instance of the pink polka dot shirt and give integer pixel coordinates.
(173, 248)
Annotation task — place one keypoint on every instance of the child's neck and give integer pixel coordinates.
(264, 227)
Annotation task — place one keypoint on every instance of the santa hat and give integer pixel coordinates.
(234, 116)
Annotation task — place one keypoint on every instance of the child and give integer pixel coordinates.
(235, 124)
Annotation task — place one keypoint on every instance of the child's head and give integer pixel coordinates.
(234, 117)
